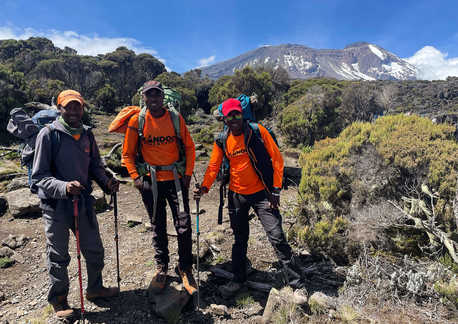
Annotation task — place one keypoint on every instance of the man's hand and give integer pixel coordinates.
(74, 188)
(113, 185)
(138, 183)
(186, 181)
(275, 199)
(199, 191)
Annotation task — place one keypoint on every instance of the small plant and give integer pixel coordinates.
(347, 314)
(149, 263)
(219, 259)
(6, 262)
(132, 223)
(244, 299)
(448, 290)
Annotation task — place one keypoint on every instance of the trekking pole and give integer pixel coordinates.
(115, 209)
(198, 250)
(78, 253)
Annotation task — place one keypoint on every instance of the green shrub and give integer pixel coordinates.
(414, 149)
(6, 262)
(311, 117)
(448, 290)
(327, 236)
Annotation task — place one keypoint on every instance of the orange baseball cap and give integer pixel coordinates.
(69, 95)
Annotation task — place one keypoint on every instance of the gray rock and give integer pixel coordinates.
(17, 183)
(10, 242)
(6, 252)
(170, 302)
(22, 202)
(101, 204)
(280, 299)
(221, 310)
(320, 303)
(14, 242)
(18, 257)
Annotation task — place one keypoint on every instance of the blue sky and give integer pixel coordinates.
(188, 34)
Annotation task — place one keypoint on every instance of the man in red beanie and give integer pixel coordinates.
(256, 172)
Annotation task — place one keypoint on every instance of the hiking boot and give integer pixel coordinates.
(63, 311)
(188, 280)
(102, 293)
(159, 279)
(230, 289)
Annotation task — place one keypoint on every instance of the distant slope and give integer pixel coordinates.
(356, 61)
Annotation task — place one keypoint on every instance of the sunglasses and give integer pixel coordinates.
(233, 117)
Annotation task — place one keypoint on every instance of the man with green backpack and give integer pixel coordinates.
(159, 155)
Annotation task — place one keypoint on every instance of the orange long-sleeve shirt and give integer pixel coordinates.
(243, 177)
(159, 146)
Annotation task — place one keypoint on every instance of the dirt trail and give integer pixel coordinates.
(25, 285)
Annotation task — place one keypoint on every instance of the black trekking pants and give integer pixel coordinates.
(182, 221)
(270, 218)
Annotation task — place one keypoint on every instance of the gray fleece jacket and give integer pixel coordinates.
(74, 160)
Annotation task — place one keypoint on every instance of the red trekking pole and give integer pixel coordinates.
(78, 253)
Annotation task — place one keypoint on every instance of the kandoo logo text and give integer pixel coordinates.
(237, 153)
(160, 140)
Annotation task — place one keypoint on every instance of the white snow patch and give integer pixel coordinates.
(298, 61)
(377, 52)
(350, 72)
(266, 60)
(398, 70)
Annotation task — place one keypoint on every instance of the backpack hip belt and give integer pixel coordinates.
(172, 167)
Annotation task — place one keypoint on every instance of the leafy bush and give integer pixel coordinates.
(390, 158)
(311, 117)
(106, 98)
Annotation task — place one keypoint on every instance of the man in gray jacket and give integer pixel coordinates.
(66, 160)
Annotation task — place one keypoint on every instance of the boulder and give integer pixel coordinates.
(170, 302)
(6, 252)
(285, 298)
(14, 242)
(17, 183)
(22, 202)
(320, 303)
(220, 310)
(101, 204)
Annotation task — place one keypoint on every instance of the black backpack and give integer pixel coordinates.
(223, 175)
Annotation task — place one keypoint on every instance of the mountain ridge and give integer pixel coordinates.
(360, 60)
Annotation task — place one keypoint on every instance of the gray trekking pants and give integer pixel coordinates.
(58, 224)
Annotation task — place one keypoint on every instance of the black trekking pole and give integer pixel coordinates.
(115, 209)
(198, 236)
(78, 253)
(198, 250)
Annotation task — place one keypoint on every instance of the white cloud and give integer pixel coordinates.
(432, 64)
(84, 45)
(206, 61)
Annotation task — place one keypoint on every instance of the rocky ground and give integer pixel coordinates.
(23, 286)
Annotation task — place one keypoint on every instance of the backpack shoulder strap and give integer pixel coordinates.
(141, 121)
(221, 140)
(55, 139)
(256, 130)
(175, 116)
